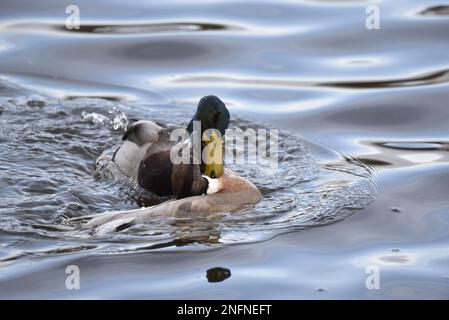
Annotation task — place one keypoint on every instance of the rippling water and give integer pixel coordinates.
(364, 139)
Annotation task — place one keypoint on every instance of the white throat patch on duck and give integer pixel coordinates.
(214, 185)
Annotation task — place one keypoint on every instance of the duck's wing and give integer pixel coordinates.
(139, 138)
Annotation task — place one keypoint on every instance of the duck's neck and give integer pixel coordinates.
(212, 148)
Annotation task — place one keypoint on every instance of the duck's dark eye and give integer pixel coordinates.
(213, 175)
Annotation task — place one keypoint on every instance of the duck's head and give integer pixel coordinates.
(213, 114)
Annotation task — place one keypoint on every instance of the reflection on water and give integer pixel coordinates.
(307, 67)
(124, 28)
(436, 11)
(420, 80)
(404, 154)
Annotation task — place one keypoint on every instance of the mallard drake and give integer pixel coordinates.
(145, 154)
(200, 189)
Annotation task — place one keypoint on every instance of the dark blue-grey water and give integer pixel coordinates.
(363, 172)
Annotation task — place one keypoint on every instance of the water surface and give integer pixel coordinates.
(363, 114)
